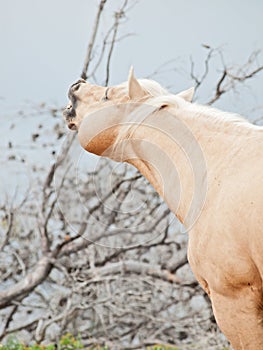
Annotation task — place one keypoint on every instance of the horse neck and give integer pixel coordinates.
(173, 149)
(165, 150)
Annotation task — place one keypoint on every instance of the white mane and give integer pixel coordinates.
(153, 88)
(163, 96)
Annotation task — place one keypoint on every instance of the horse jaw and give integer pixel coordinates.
(99, 129)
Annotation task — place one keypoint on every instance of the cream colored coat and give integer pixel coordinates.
(208, 166)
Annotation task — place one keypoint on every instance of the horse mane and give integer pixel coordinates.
(162, 96)
(150, 86)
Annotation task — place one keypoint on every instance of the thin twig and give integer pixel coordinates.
(199, 81)
(9, 229)
(219, 90)
(92, 40)
(118, 16)
(8, 321)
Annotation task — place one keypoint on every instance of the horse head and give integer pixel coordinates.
(97, 112)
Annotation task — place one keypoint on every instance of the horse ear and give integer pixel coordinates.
(135, 91)
(187, 95)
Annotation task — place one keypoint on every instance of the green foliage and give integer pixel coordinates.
(67, 342)
(168, 347)
(12, 343)
(161, 347)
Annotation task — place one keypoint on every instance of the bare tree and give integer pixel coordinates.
(230, 77)
(99, 253)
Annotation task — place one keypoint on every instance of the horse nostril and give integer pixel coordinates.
(72, 126)
(69, 112)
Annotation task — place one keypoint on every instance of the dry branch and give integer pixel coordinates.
(7, 234)
(118, 16)
(92, 40)
(130, 266)
(229, 77)
(22, 288)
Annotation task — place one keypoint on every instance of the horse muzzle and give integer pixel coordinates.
(69, 115)
(69, 112)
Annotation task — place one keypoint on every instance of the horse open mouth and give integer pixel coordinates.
(69, 115)
(69, 112)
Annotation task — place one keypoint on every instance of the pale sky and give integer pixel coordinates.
(43, 43)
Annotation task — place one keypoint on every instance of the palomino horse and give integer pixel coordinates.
(207, 165)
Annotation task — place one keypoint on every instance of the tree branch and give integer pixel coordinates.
(92, 40)
(9, 229)
(118, 16)
(130, 266)
(22, 288)
(219, 90)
